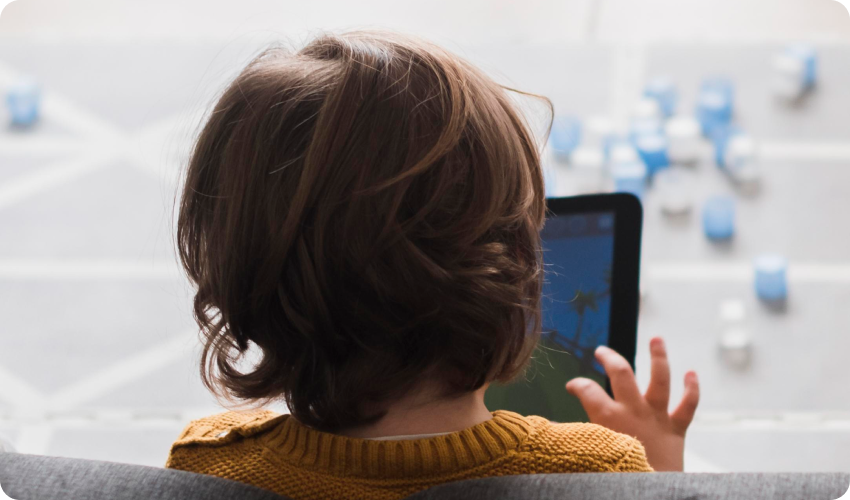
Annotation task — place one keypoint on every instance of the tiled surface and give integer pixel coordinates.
(821, 116)
(568, 74)
(15, 166)
(131, 208)
(798, 356)
(754, 450)
(63, 331)
(8, 435)
(195, 72)
(97, 320)
(49, 127)
(768, 221)
(172, 388)
(145, 446)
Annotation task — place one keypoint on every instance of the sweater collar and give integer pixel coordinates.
(305, 447)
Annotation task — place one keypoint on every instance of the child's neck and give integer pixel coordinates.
(420, 413)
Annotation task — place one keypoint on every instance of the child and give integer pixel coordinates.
(361, 219)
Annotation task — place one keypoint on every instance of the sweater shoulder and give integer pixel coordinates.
(588, 447)
(222, 444)
(221, 430)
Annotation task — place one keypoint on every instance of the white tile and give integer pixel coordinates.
(136, 446)
(174, 387)
(799, 355)
(782, 451)
(8, 437)
(117, 212)
(56, 333)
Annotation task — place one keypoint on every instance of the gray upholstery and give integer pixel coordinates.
(657, 486)
(32, 477)
(25, 477)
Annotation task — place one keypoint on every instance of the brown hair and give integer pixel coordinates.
(366, 211)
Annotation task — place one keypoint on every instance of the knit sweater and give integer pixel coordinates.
(278, 453)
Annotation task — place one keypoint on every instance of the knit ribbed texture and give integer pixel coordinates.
(278, 453)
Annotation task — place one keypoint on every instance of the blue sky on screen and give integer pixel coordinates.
(573, 264)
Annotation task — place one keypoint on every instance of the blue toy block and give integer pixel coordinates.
(23, 101)
(770, 278)
(610, 142)
(721, 85)
(630, 177)
(714, 109)
(550, 181)
(653, 151)
(565, 136)
(805, 54)
(718, 218)
(720, 136)
(645, 126)
(664, 91)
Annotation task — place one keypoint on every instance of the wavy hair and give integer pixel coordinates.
(365, 211)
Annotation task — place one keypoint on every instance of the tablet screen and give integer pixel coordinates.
(578, 256)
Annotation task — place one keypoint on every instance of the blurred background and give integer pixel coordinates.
(97, 346)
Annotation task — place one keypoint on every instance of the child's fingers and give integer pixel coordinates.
(658, 392)
(623, 383)
(592, 396)
(683, 415)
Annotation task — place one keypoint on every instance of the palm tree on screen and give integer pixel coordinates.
(580, 304)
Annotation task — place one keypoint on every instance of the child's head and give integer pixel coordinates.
(366, 212)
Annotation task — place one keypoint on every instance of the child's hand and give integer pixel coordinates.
(643, 416)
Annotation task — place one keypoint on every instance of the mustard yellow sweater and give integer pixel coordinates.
(278, 453)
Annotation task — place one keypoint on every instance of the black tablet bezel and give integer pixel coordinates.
(625, 283)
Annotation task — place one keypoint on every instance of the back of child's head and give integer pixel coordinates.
(366, 212)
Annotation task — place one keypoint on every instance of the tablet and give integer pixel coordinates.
(591, 257)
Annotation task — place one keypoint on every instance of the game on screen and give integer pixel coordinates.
(578, 253)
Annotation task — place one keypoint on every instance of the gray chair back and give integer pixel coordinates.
(31, 477)
(656, 486)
